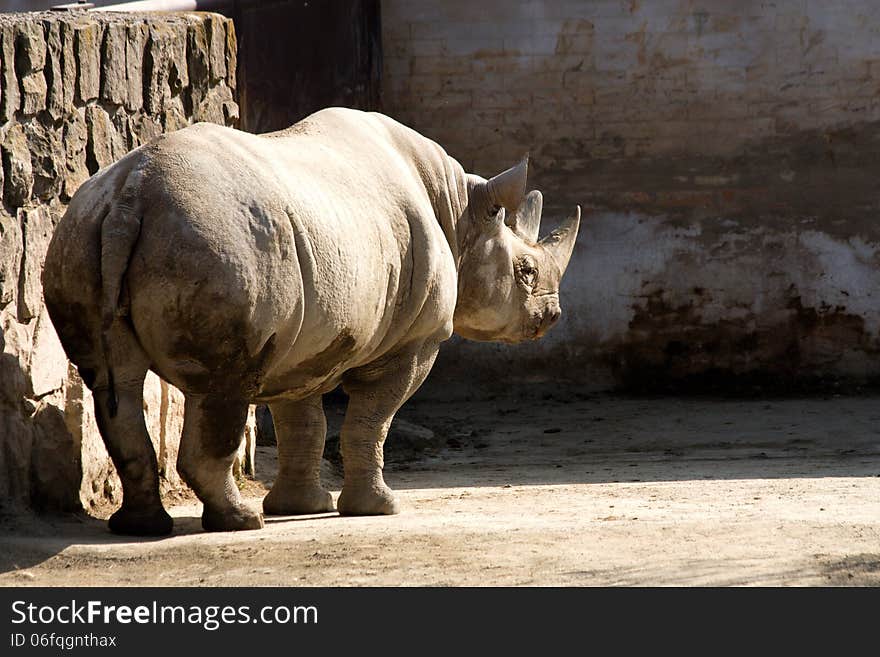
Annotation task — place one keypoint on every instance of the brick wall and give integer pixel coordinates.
(725, 154)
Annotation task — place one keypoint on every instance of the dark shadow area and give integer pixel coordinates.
(606, 439)
(337, 52)
(28, 539)
(856, 570)
(530, 437)
(270, 520)
(852, 570)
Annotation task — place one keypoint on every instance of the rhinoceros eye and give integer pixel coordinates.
(526, 271)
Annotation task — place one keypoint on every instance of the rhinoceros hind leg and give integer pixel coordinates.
(128, 443)
(213, 428)
(301, 428)
(154, 522)
(376, 391)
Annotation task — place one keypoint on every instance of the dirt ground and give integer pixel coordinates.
(574, 491)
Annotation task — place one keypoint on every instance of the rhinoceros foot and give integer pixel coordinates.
(237, 518)
(293, 501)
(367, 499)
(154, 522)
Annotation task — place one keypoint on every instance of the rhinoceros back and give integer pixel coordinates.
(274, 263)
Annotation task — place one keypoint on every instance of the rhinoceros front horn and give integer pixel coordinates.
(560, 243)
(508, 188)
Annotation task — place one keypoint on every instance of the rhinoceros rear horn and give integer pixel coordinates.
(560, 243)
(508, 188)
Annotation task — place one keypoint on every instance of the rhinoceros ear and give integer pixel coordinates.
(508, 188)
(560, 243)
(527, 219)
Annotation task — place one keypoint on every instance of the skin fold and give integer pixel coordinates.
(273, 268)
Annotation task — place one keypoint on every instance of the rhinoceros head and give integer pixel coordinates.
(508, 289)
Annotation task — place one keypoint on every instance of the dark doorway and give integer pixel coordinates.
(295, 57)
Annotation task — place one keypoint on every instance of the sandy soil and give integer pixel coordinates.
(580, 491)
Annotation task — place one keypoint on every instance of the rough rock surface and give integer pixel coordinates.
(78, 91)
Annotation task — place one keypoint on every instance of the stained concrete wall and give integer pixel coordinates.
(78, 91)
(726, 155)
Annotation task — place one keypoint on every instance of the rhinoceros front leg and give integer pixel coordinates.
(213, 428)
(376, 391)
(300, 427)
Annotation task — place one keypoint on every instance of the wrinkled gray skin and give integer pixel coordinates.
(270, 269)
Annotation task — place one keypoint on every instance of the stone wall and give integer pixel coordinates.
(726, 155)
(78, 91)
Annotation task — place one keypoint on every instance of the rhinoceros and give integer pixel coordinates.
(271, 269)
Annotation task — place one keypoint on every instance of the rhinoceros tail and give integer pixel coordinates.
(119, 234)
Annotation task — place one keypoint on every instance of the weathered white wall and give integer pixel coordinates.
(726, 155)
